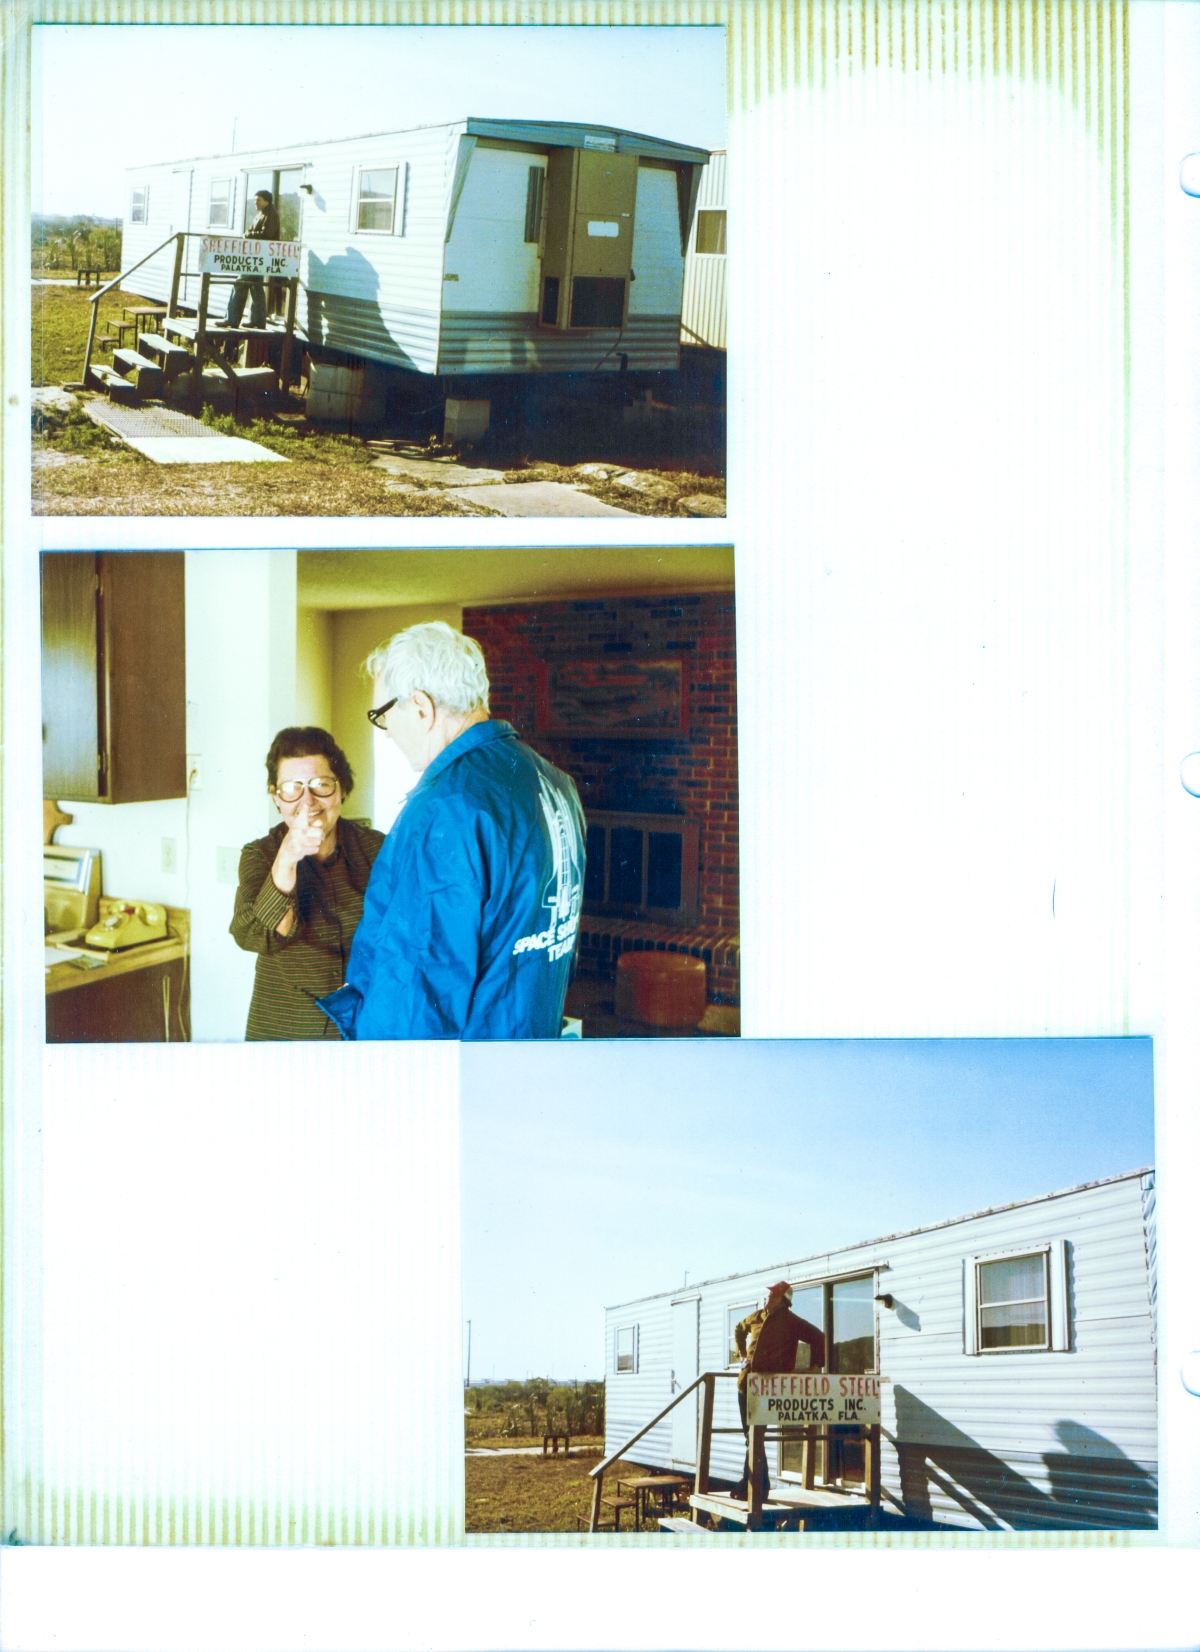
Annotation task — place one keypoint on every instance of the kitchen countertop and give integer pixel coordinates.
(65, 976)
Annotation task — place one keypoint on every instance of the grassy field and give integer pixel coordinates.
(60, 328)
(534, 1494)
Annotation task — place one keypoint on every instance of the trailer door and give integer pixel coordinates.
(181, 219)
(685, 1367)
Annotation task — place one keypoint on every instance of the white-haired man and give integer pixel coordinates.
(471, 914)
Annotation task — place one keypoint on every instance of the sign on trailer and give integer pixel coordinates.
(226, 255)
(810, 1397)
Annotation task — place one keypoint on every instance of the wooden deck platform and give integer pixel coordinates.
(184, 326)
(786, 1509)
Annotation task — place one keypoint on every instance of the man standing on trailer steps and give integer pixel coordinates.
(264, 227)
(773, 1339)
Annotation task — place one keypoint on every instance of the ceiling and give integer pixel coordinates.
(388, 579)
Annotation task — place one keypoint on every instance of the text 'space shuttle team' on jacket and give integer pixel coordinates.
(472, 912)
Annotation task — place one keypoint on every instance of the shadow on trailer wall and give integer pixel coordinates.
(1090, 1484)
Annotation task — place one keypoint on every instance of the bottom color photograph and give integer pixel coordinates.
(776, 1286)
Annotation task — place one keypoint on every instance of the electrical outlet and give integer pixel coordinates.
(227, 865)
(169, 855)
(195, 779)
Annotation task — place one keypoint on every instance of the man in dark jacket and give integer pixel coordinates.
(263, 227)
(773, 1339)
(471, 915)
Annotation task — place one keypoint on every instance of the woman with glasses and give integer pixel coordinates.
(300, 888)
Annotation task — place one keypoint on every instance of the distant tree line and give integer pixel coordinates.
(77, 244)
(539, 1406)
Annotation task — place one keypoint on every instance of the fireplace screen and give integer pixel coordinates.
(643, 866)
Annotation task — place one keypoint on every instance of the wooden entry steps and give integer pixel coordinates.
(680, 1523)
(775, 1516)
(172, 358)
(787, 1507)
(145, 375)
(194, 341)
(784, 1510)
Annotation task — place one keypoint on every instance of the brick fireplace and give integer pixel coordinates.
(690, 773)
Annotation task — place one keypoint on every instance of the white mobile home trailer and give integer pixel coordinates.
(477, 247)
(1016, 1348)
(704, 273)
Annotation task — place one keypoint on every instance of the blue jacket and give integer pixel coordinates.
(472, 910)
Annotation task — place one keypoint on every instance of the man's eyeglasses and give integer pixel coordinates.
(320, 785)
(376, 715)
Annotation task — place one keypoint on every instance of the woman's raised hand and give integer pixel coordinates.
(305, 834)
(303, 838)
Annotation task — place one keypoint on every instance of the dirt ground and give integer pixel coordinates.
(535, 1494)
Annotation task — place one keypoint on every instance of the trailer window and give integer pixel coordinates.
(626, 1352)
(852, 1307)
(220, 203)
(733, 1318)
(710, 232)
(139, 205)
(375, 209)
(1013, 1300)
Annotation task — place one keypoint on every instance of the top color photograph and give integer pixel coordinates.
(445, 272)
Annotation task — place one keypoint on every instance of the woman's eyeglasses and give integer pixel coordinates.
(378, 713)
(320, 785)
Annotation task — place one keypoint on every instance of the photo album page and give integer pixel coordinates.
(602, 604)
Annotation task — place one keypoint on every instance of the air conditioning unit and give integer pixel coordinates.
(590, 202)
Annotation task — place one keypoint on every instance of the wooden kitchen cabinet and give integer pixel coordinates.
(147, 1006)
(113, 676)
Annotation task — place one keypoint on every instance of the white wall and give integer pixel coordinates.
(497, 268)
(314, 667)
(133, 839)
(239, 695)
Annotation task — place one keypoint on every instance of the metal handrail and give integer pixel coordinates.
(704, 1380)
(116, 282)
(654, 1422)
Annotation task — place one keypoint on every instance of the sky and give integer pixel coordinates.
(289, 84)
(597, 1173)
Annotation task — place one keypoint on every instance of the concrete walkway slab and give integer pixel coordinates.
(539, 499)
(442, 473)
(169, 437)
(188, 450)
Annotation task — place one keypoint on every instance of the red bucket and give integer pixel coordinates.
(664, 989)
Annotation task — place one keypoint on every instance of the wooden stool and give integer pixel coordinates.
(616, 1504)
